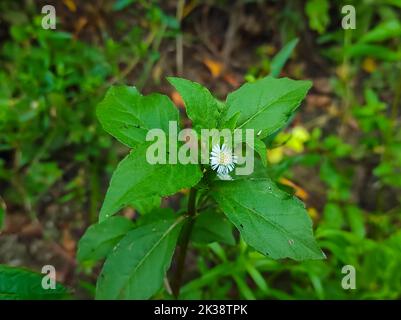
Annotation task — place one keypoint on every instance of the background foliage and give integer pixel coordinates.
(341, 154)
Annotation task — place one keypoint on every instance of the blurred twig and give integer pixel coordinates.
(235, 21)
(179, 40)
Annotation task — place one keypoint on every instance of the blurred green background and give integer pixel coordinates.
(341, 154)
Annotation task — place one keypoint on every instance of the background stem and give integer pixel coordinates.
(183, 243)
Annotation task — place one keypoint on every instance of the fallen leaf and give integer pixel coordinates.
(175, 96)
(313, 213)
(34, 229)
(70, 4)
(189, 7)
(369, 65)
(215, 67)
(80, 24)
(129, 213)
(322, 85)
(67, 241)
(299, 192)
(318, 100)
(231, 79)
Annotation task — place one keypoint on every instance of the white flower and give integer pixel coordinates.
(222, 160)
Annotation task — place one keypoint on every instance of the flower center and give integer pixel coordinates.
(224, 158)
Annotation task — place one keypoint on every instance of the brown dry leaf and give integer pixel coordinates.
(67, 241)
(175, 96)
(231, 79)
(318, 100)
(80, 24)
(15, 222)
(333, 110)
(299, 192)
(313, 213)
(70, 4)
(322, 85)
(351, 121)
(369, 65)
(34, 229)
(189, 7)
(215, 67)
(129, 213)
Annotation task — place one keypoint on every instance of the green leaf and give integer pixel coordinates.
(281, 58)
(257, 277)
(135, 179)
(260, 148)
(156, 215)
(147, 205)
(333, 216)
(384, 31)
(372, 50)
(122, 4)
(100, 238)
(266, 104)
(356, 221)
(136, 267)
(23, 284)
(318, 14)
(127, 115)
(202, 108)
(212, 226)
(270, 220)
(243, 288)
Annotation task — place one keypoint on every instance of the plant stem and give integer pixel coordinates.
(183, 243)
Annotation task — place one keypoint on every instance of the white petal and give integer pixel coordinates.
(224, 177)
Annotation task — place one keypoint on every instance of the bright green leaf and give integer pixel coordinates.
(318, 14)
(281, 58)
(127, 115)
(100, 238)
(212, 226)
(202, 108)
(260, 148)
(23, 284)
(243, 288)
(266, 104)
(333, 216)
(257, 277)
(270, 220)
(135, 179)
(136, 267)
(356, 220)
(372, 50)
(383, 31)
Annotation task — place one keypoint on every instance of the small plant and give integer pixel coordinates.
(139, 253)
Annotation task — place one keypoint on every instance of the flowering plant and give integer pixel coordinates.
(138, 254)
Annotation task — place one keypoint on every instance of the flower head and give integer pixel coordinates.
(222, 160)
